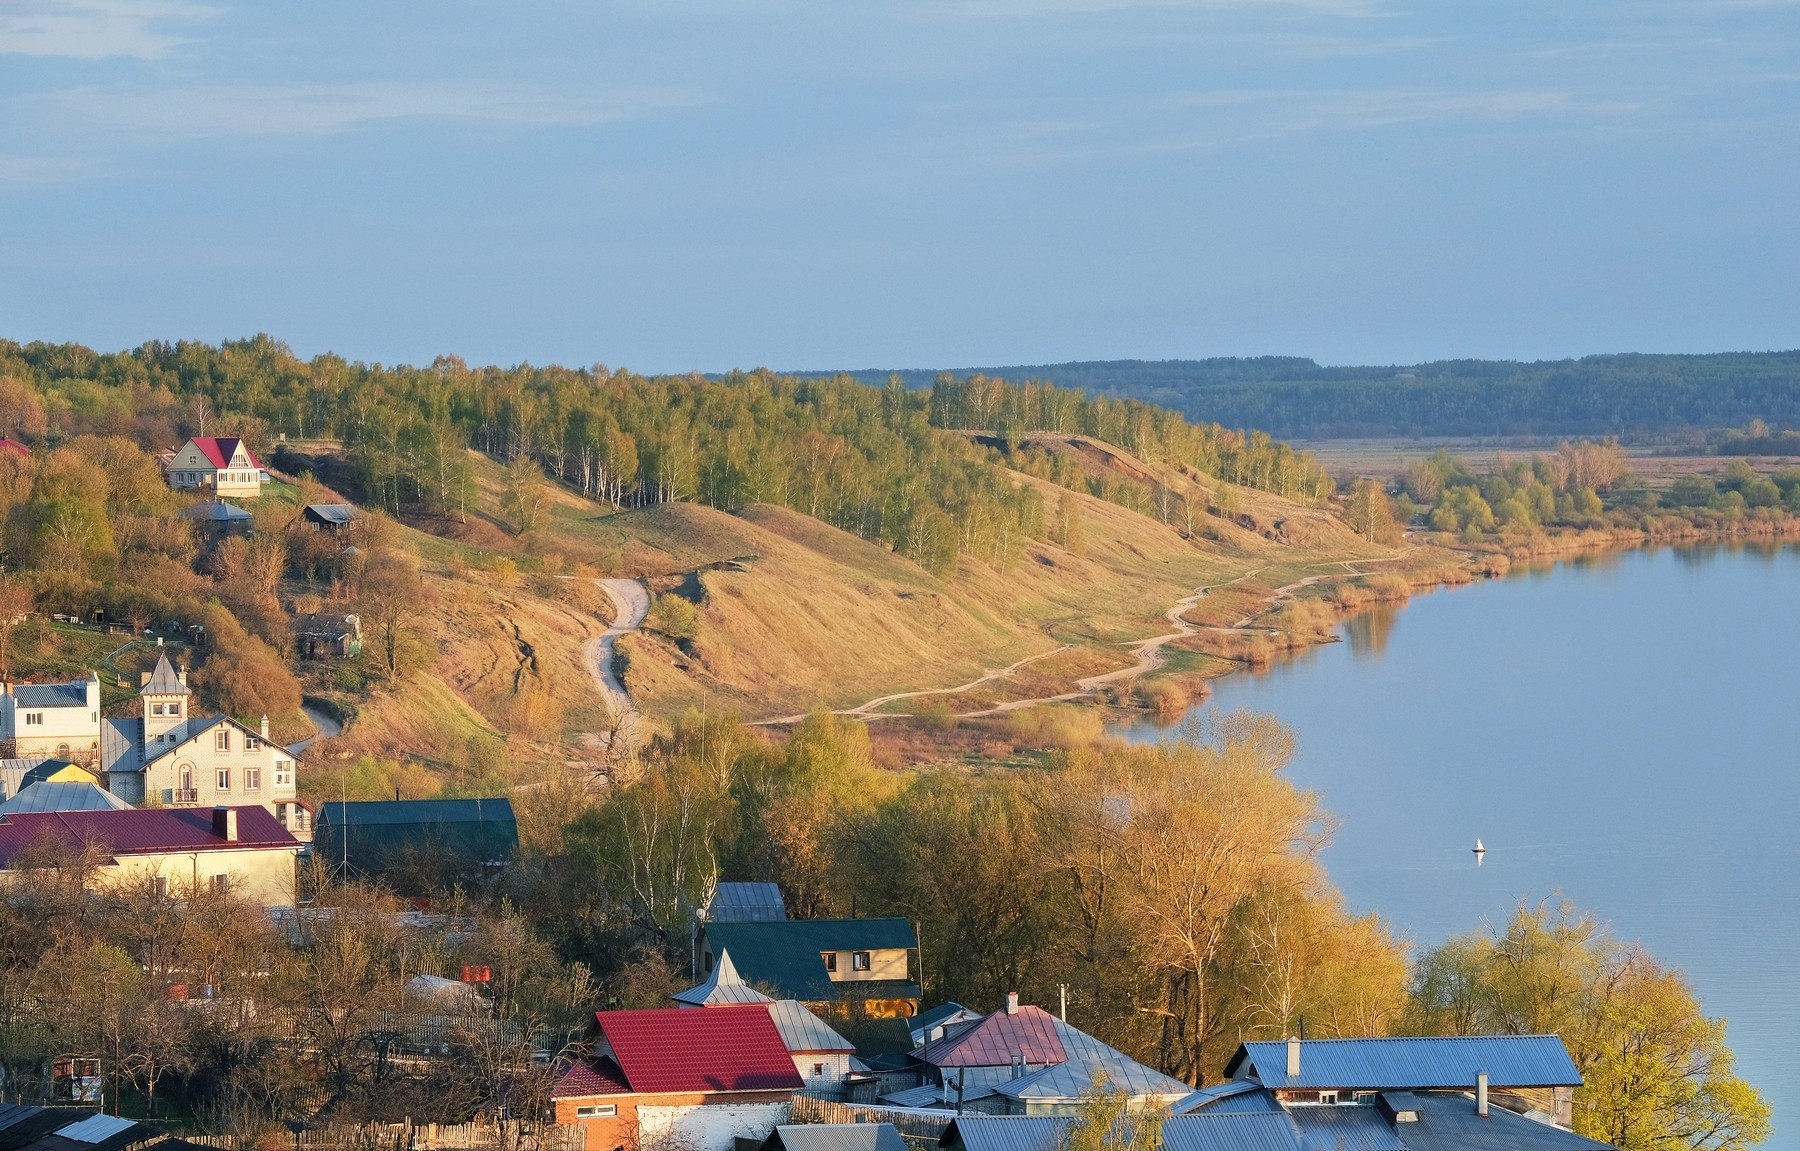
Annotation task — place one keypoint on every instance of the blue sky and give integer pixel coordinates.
(688, 184)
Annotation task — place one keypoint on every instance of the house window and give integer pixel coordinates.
(222, 739)
(220, 884)
(253, 779)
(597, 1111)
(284, 773)
(34, 718)
(830, 958)
(187, 777)
(251, 743)
(859, 961)
(1328, 1096)
(224, 780)
(818, 1070)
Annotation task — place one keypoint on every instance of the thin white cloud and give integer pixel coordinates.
(94, 29)
(42, 171)
(324, 109)
(1004, 8)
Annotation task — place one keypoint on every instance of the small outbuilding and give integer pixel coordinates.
(336, 518)
(379, 837)
(327, 635)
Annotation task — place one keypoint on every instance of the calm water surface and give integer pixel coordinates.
(1624, 730)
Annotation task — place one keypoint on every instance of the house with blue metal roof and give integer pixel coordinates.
(828, 964)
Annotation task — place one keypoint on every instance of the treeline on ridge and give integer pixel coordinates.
(877, 461)
(1293, 397)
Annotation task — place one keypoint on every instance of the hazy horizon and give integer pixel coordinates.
(711, 185)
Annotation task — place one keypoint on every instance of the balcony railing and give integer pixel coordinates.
(179, 795)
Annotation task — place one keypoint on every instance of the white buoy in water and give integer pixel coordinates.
(1479, 852)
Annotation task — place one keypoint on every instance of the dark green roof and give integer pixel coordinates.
(784, 954)
(372, 836)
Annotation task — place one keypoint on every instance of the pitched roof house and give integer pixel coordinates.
(1026, 1061)
(52, 719)
(835, 1137)
(1453, 1093)
(167, 755)
(702, 1077)
(240, 849)
(63, 795)
(831, 964)
(823, 1058)
(745, 902)
(370, 837)
(222, 465)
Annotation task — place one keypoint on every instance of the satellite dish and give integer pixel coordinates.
(1480, 851)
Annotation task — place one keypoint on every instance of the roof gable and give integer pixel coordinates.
(140, 831)
(995, 1041)
(220, 450)
(719, 1049)
(785, 954)
(164, 680)
(1411, 1063)
(721, 987)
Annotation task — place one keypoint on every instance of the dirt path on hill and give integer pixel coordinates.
(631, 603)
(1148, 653)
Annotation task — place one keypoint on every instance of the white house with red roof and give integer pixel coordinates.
(221, 465)
(244, 850)
(699, 1079)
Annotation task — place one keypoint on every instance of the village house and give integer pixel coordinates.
(1467, 1093)
(61, 720)
(831, 965)
(371, 838)
(337, 519)
(218, 519)
(18, 774)
(327, 635)
(221, 465)
(63, 795)
(698, 1078)
(824, 1059)
(1025, 1061)
(167, 756)
(243, 850)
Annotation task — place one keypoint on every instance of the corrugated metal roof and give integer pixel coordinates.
(715, 1049)
(1006, 1132)
(1085, 1060)
(332, 513)
(746, 903)
(785, 955)
(1232, 1131)
(63, 796)
(1356, 1127)
(1412, 1063)
(1449, 1123)
(164, 681)
(996, 1040)
(803, 1031)
(722, 986)
(1204, 1097)
(50, 695)
(96, 1128)
(217, 512)
(363, 812)
(930, 1095)
(835, 1137)
(140, 831)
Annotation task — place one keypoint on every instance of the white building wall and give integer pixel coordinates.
(709, 1128)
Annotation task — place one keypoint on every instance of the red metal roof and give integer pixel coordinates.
(591, 1077)
(8, 444)
(994, 1041)
(219, 450)
(139, 831)
(718, 1049)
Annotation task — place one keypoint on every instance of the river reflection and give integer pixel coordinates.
(1619, 728)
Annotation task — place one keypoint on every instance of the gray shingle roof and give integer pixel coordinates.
(1411, 1063)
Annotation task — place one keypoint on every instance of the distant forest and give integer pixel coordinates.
(1290, 397)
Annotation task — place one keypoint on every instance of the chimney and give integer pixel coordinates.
(225, 824)
(1481, 1085)
(181, 674)
(1018, 1064)
(265, 729)
(1012, 1002)
(1293, 1066)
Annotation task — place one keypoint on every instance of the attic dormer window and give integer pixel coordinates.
(222, 739)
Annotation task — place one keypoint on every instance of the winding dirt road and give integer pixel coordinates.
(631, 602)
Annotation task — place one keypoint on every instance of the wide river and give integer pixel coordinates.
(1624, 730)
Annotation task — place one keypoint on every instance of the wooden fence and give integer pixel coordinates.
(917, 1124)
(407, 1136)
